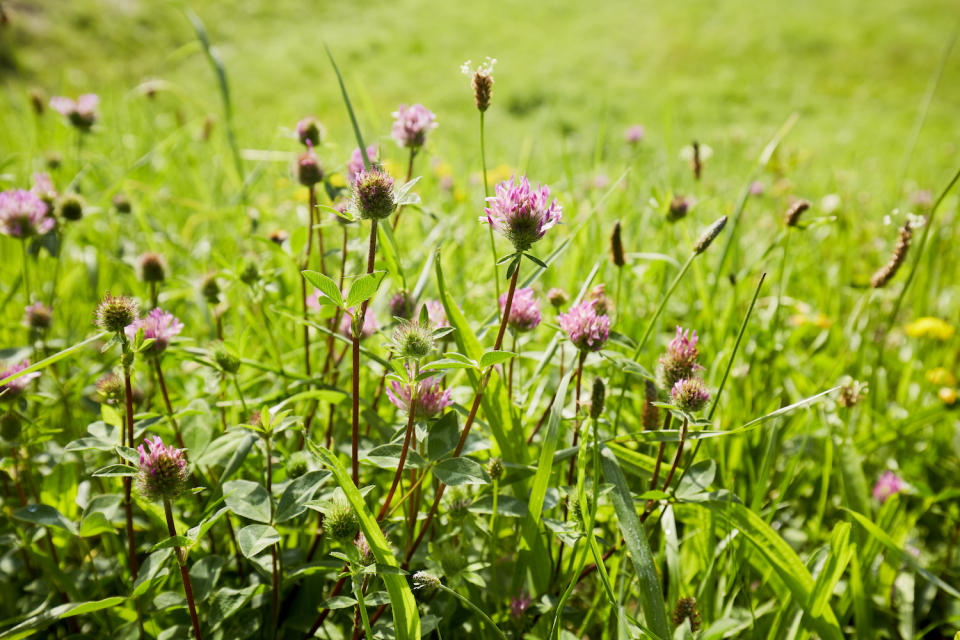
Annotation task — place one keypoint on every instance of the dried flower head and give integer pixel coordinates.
(557, 297)
(524, 310)
(709, 235)
(412, 124)
(309, 171)
(887, 485)
(152, 267)
(355, 165)
(412, 340)
(690, 394)
(792, 216)
(70, 207)
(23, 214)
(482, 81)
(432, 398)
(37, 316)
(886, 273)
(159, 325)
(616, 246)
(17, 385)
(164, 472)
(587, 329)
(686, 609)
(114, 313)
(851, 393)
(81, 113)
(521, 213)
(310, 131)
(374, 197)
(634, 134)
(680, 359)
(110, 388)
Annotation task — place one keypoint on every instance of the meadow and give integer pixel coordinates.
(404, 320)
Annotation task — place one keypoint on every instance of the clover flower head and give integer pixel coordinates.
(374, 195)
(521, 213)
(81, 113)
(16, 386)
(690, 394)
(37, 316)
(309, 131)
(114, 313)
(680, 360)
(887, 484)
(587, 329)
(412, 124)
(23, 214)
(634, 134)
(432, 398)
(164, 470)
(355, 165)
(524, 310)
(160, 325)
(519, 605)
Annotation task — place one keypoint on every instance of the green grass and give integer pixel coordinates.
(770, 523)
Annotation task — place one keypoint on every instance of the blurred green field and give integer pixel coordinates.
(570, 78)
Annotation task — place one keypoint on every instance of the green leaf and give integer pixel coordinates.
(338, 602)
(899, 555)
(298, 493)
(151, 569)
(784, 561)
(651, 595)
(840, 554)
(115, 471)
(45, 515)
(238, 456)
(197, 532)
(491, 358)
(247, 499)
(226, 602)
(406, 617)
(175, 541)
(254, 538)
(443, 436)
(329, 288)
(459, 471)
(364, 288)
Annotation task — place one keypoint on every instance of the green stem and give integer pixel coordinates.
(780, 280)
(26, 271)
(475, 609)
(486, 194)
(243, 402)
(362, 606)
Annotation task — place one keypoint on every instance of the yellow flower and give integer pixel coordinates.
(819, 320)
(928, 327)
(499, 174)
(941, 377)
(947, 395)
(301, 195)
(442, 169)
(338, 180)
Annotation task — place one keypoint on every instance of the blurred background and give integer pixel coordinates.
(569, 76)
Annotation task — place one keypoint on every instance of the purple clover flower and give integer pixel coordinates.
(634, 134)
(81, 113)
(355, 165)
(412, 124)
(23, 214)
(519, 605)
(163, 471)
(690, 394)
(436, 314)
(524, 310)
(431, 397)
(521, 213)
(160, 325)
(887, 484)
(680, 360)
(587, 329)
(15, 387)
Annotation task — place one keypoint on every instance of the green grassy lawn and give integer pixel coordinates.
(853, 78)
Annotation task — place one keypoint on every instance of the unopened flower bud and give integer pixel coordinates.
(690, 394)
(412, 340)
(225, 359)
(309, 172)
(38, 316)
(373, 195)
(114, 313)
(211, 289)
(401, 306)
(596, 399)
(153, 268)
(70, 207)
(297, 464)
(679, 206)
(250, 274)
(110, 388)
(310, 132)
(10, 426)
(616, 246)
(557, 297)
(342, 522)
(495, 468)
(425, 584)
(122, 203)
(279, 236)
